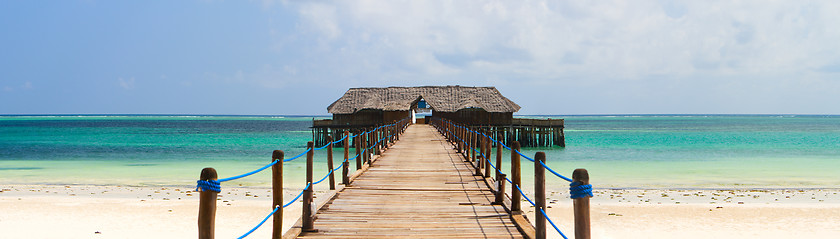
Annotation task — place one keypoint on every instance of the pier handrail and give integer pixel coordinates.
(580, 189)
(209, 186)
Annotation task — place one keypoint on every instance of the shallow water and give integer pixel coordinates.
(719, 151)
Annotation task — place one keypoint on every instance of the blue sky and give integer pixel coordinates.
(297, 57)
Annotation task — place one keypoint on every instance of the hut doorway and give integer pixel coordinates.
(421, 112)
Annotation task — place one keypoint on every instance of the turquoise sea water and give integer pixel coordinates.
(682, 151)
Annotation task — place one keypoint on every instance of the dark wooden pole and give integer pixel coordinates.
(470, 145)
(498, 160)
(515, 197)
(365, 146)
(359, 158)
(581, 206)
(500, 189)
(308, 193)
(277, 193)
(330, 162)
(457, 142)
(377, 147)
(207, 207)
(487, 151)
(345, 178)
(539, 193)
(476, 141)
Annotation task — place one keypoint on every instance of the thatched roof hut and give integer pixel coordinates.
(474, 105)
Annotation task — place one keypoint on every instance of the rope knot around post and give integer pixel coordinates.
(208, 185)
(580, 190)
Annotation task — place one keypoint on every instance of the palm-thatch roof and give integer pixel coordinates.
(439, 98)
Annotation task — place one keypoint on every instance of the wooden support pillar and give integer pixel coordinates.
(365, 151)
(476, 157)
(207, 206)
(308, 194)
(457, 140)
(359, 157)
(498, 161)
(277, 193)
(516, 178)
(500, 189)
(330, 162)
(345, 177)
(539, 193)
(581, 206)
(487, 151)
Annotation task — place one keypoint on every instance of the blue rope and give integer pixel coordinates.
(296, 197)
(261, 223)
(249, 173)
(208, 185)
(578, 190)
(524, 156)
(581, 189)
(331, 172)
(331, 143)
(552, 223)
(555, 173)
(298, 156)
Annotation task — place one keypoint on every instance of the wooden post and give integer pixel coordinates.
(277, 193)
(377, 145)
(539, 193)
(345, 178)
(473, 146)
(581, 206)
(207, 206)
(359, 158)
(500, 189)
(498, 161)
(330, 162)
(457, 142)
(308, 223)
(365, 153)
(476, 155)
(366, 146)
(515, 197)
(487, 151)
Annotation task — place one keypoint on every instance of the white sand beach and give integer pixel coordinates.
(36, 211)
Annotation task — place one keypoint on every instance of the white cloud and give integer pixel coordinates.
(127, 84)
(655, 45)
(603, 39)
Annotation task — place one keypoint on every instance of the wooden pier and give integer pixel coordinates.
(420, 187)
(410, 181)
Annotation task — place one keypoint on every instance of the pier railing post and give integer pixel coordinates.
(581, 206)
(365, 153)
(365, 146)
(308, 223)
(539, 194)
(455, 140)
(377, 146)
(207, 206)
(344, 171)
(487, 151)
(277, 193)
(515, 197)
(500, 189)
(498, 161)
(330, 162)
(359, 158)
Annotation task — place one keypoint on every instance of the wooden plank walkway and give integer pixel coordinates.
(420, 187)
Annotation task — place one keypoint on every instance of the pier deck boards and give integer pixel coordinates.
(420, 187)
